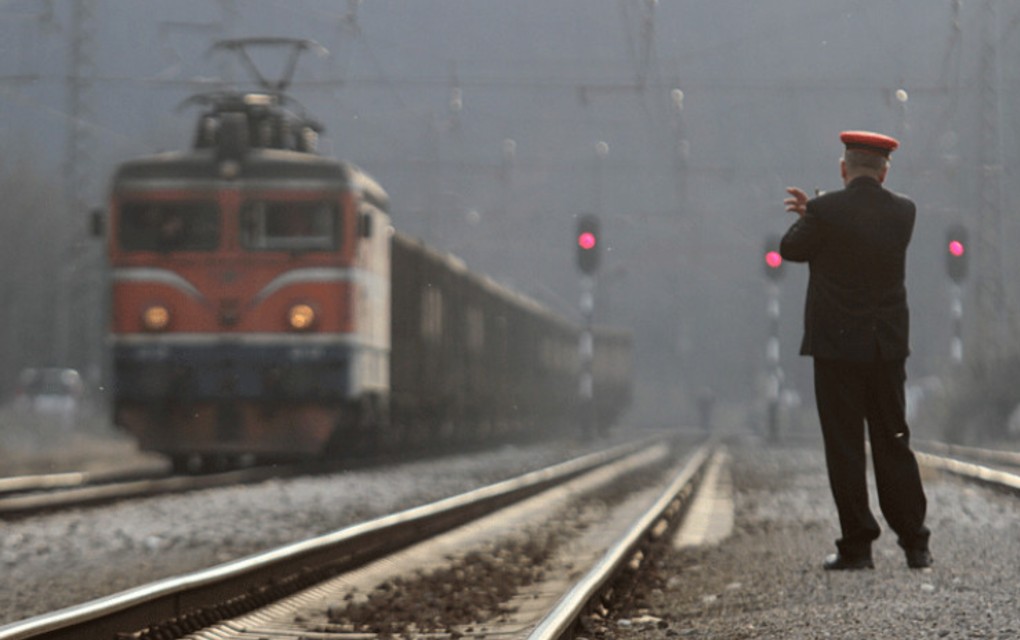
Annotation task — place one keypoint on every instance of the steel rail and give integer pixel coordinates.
(974, 472)
(191, 602)
(72, 479)
(43, 481)
(672, 503)
(994, 456)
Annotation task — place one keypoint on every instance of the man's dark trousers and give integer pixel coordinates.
(850, 394)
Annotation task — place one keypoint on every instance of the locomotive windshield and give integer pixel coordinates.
(290, 226)
(169, 226)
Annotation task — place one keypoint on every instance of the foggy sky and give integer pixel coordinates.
(686, 196)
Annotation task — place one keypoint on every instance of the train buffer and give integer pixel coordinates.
(748, 562)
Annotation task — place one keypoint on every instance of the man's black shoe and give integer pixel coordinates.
(918, 558)
(837, 562)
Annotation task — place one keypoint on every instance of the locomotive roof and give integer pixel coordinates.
(258, 164)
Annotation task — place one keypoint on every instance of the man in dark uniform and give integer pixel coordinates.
(856, 326)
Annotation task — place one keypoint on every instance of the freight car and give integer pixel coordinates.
(470, 358)
(264, 307)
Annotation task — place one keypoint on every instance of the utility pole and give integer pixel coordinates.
(74, 289)
(992, 341)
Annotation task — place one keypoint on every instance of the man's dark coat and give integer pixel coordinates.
(855, 243)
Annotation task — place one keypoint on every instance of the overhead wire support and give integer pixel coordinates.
(297, 46)
(77, 160)
(993, 341)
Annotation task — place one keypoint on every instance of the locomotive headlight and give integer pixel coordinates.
(301, 317)
(156, 318)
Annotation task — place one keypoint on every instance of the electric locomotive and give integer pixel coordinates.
(250, 287)
(263, 307)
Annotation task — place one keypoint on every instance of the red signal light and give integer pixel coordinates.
(587, 240)
(587, 237)
(956, 253)
(773, 260)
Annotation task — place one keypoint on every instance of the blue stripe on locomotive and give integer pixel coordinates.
(222, 370)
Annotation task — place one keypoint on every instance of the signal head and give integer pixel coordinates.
(956, 253)
(773, 259)
(587, 238)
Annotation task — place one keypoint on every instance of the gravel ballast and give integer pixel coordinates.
(766, 580)
(67, 558)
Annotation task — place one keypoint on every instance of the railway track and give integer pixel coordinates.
(29, 495)
(32, 494)
(525, 558)
(557, 537)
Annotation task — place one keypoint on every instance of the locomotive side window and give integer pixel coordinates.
(169, 226)
(290, 226)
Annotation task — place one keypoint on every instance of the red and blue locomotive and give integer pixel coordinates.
(264, 307)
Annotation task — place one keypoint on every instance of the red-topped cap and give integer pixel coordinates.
(869, 141)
